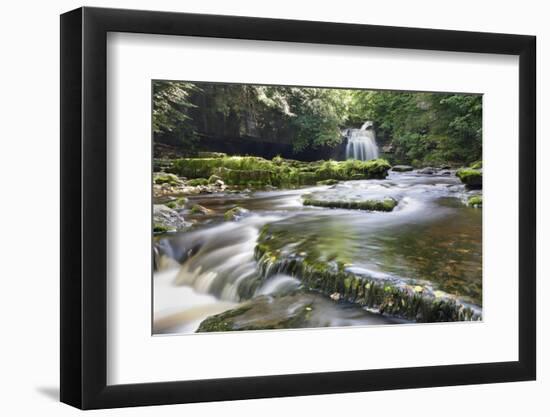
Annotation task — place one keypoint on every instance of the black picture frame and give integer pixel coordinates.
(84, 207)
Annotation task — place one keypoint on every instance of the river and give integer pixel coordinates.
(431, 237)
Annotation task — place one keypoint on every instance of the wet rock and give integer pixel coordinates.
(475, 201)
(166, 219)
(292, 311)
(198, 209)
(261, 313)
(387, 204)
(402, 168)
(427, 171)
(235, 213)
(176, 203)
(472, 178)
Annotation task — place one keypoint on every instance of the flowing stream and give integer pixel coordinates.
(430, 236)
(362, 143)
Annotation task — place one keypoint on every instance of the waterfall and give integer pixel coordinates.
(361, 143)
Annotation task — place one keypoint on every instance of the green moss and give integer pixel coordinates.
(249, 170)
(164, 178)
(160, 228)
(475, 201)
(213, 179)
(387, 204)
(222, 322)
(472, 178)
(177, 204)
(197, 181)
(477, 165)
(234, 213)
(198, 209)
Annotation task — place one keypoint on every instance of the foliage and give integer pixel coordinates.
(171, 106)
(424, 128)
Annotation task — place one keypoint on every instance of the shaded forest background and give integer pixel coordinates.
(307, 123)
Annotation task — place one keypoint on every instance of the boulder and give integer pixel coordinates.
(472, 178)
(475, 201)
(165, 178)
(166, 219)
(235, 213)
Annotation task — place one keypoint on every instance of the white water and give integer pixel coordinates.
(362, 143)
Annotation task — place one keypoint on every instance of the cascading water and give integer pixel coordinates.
(362, 143)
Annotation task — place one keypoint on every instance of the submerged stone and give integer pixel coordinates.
(198, 209)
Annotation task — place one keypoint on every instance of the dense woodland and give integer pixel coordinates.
(422, 128)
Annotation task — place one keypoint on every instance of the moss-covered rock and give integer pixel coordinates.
(198, 209)
(235, 213)
(289, 311)
(166, 178)
(256, 171)
(197, 181)
(166, 219)
(475, 201)
(160, 228)
(387, 204)
(177, 203)
(213, 179)
(261, 313)
(476, 165)
(472, 178)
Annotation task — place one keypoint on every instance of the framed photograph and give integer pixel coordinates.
(257, 208)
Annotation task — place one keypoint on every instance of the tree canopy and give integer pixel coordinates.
(423, 128)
